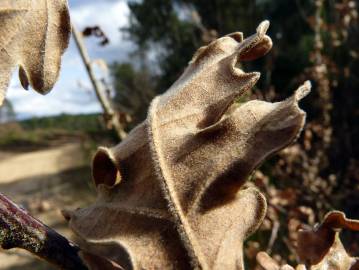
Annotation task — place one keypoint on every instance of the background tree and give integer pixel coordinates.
(313, 39)
(136, 89)
(7, 113)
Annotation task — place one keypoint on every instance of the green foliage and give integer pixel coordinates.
(134, 89)
(6, 112)
(162, 29)
(85, 122)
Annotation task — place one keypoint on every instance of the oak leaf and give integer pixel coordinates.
(33, 35)
(172, 194)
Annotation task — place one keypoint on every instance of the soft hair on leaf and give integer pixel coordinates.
(181, 202)
(33, 36)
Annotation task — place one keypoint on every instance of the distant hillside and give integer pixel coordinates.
(44, 131)
(81, 122)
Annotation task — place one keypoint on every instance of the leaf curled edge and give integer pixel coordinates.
(183, 170)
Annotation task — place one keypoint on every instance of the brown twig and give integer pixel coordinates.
(18, 229)
(98, 87)
(273, 236)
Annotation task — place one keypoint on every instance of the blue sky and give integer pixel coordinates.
(73, 92)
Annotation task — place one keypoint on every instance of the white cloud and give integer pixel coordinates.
(71, 101)
(104, 14)
(110, 16)
(73, 92)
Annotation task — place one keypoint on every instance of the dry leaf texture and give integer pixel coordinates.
(320, 248)
(33, 35)
(172, 195)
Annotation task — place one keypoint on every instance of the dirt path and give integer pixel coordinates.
(26, 165)
(44, 182)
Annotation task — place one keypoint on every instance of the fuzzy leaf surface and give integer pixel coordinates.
(173, 195)
(33, 36)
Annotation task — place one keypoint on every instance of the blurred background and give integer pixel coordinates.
(137, 50)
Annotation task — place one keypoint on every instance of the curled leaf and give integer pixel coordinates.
(33, 35)
(320, 248)
(181, 201)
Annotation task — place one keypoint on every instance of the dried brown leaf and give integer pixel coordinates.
(33, 35)
(320, 248)
(268, 263)
(171, 195)
(336, 258)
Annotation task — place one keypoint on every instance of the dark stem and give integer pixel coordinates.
(18, 229)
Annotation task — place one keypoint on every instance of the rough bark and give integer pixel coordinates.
(18, 229)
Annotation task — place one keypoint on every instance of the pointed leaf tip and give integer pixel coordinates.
(338, 220)
(263, 28)
(303, 90)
